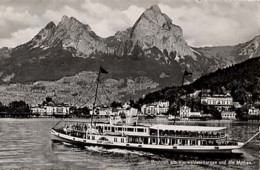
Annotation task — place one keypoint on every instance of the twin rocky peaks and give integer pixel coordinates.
(153, 29)
(153, 48)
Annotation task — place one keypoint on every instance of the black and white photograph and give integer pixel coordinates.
(130, 84)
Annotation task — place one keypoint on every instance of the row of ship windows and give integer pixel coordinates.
(93, 137)
(122, 140)
(124, 129)
(115, 139)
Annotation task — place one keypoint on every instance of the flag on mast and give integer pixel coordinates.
(102, 70)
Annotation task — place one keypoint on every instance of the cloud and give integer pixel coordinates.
(133, 13)
(56, 15)
(103, 20)
(19, 37)
(16, 26)
(215, 23)
(9, 14)
(203, 22)
(107, 21)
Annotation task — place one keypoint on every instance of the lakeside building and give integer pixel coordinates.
(38, 110)
(185, 112)
(128, 113)
(149, 109)
(104, 112)
(120, 111)
(221, 102)
(162, 106)
(51, 109)
(155, 108)
(57, 110)
(231, 115)
(253, 111)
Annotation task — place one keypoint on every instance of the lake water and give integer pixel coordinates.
(26, 143)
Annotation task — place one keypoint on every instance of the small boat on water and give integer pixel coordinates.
(129, 134)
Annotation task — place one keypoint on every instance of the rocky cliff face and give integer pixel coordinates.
(154, 29)
(70, 34)
(42, 39)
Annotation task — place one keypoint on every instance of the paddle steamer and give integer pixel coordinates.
(131, 135)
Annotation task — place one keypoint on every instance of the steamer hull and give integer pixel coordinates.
(60, 137)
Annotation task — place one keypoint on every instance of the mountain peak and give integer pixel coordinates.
(50, 25)
(156, 29)
(155, 8)
(256, 38)
(73, 25)
(155, 16)
(66, 20)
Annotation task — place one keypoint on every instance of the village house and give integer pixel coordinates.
(228, 115)
(129, 113)
(155, 108)
(38, 110)
(38, 88)
(51, 109)
(253, 111)
(149, 109)
(131, 116)
(221, 102)
(57, 110)
(104, 112)
(185, 112)
(162, 104)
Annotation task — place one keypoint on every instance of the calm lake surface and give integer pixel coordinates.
(26, 143)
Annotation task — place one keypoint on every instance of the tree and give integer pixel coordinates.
(115, 104)
(48, 99)
(3, 108)
(19, 107)
(216, 114)
(242, 113)
(84, 111)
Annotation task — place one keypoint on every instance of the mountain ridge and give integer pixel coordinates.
(153, 47)
(242, 81)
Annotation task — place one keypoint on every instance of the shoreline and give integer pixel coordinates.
(146, 120)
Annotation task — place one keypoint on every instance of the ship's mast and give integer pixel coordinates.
(95, 98)
(186, 73)
(101, 70)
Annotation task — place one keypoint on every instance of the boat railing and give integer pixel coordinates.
(189, 137)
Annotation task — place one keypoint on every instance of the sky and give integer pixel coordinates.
(204, 22)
